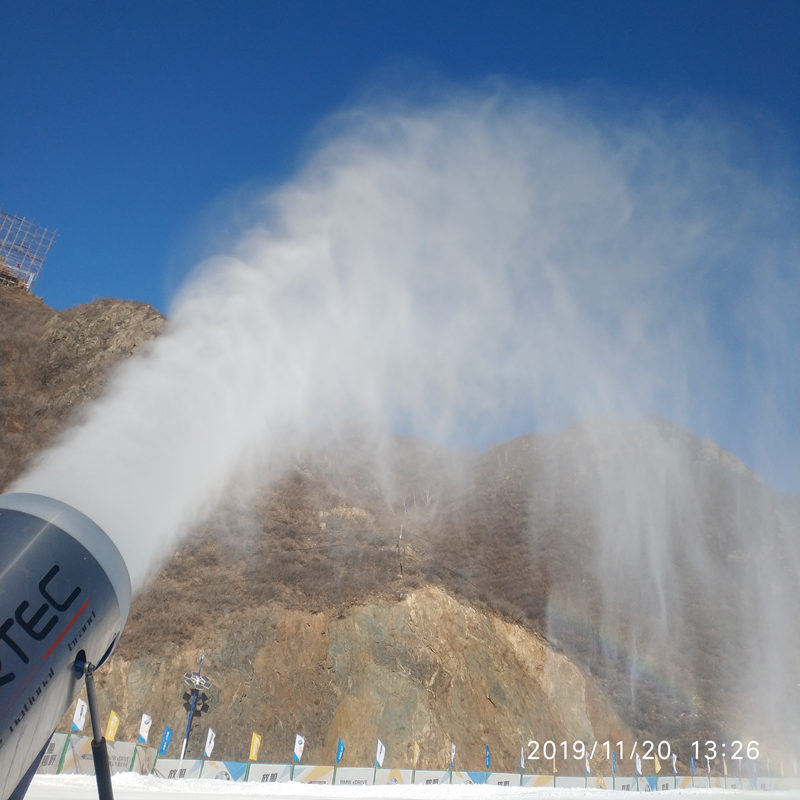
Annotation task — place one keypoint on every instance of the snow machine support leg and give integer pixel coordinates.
(102, 769)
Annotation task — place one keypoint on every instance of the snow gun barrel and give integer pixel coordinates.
(64, 599)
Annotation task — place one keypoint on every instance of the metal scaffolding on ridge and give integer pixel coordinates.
(23, 249)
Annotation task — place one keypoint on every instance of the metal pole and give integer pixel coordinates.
(195, 692)
(189, 723)
(102, 768)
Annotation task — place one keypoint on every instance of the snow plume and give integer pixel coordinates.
(493, 262)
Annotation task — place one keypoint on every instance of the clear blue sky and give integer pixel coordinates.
(125, 122)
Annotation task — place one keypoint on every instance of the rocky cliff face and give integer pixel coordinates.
(53, 362)
(384, 587)
(424, 668)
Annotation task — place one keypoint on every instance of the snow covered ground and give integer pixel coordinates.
(128, 786)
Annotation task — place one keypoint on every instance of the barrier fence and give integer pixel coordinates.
(71, 754)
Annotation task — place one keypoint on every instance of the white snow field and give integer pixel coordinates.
(129, 786)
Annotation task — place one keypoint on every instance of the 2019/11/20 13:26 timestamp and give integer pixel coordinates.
(647, 749)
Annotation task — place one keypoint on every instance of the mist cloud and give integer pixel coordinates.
(492, 263)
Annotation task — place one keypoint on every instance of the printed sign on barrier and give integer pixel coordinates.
(224, 770)
(503, 778)
(569, 782)
(427, 777)
(52, 755)
(269, 773)
(354, 776)
(144, 758)
(78, 757)
(537, 780)
(174, 768)
(312, 774)
(386, 777)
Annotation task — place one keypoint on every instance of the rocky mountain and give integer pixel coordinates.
(605, 583)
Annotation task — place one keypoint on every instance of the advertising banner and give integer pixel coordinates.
(175, 768)
(144, 728)
(269, 773)
(537, 780)
(112, 726)
(354, 776)
(503, 779)
(224, 770)
(52, 755)
(166, 738)
(427, 777)
(388, 777)
(144, 759)
(78, 758)
(313, 774)
(210, 739)
(255, 746)
(79, 718)
(569, 782)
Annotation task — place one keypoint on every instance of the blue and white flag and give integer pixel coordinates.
(339, 750)
(209, 748)
(166, 738)
(674, 764)
(614, 763)
(638, 764)
(691, 763)
(522, 758)
(299, 744)
(452, 754)
(587, 765)
(488, 758)
(144, 728)
(79, 718)
(380, 753)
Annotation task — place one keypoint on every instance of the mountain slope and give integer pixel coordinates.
(612, 581)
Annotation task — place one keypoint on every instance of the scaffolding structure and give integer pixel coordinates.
(23, 249)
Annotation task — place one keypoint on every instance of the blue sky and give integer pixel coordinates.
(126, 124)
(125, 121)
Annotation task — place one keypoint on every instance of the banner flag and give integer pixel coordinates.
(554, 766)
(725, 767)
(674, 763)
(79, 719)
(488, 758)
(416, 754)
(299, 744)
(638, 764)
(708, 765)
(113, 724)
(144, 728)
(691, 763)
(339, 750)
(255, 746)
(658, 763)
(521, 757)
(587, 765)
(166, 738)
(452, 754)
(209, 749)
(380, 753)
(614, 763)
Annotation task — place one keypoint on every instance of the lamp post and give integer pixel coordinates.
(197, 683)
